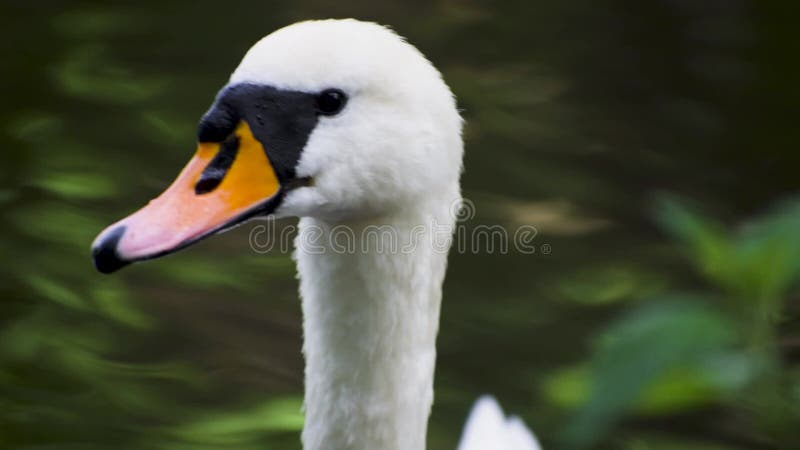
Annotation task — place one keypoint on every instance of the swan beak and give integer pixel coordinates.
(221, 186)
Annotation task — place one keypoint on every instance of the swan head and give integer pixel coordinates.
(335, 119)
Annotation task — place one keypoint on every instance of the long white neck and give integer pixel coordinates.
(371, 315)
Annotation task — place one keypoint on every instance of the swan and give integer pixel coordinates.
(345, 125)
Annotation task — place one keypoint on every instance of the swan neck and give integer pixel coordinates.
(371, 315)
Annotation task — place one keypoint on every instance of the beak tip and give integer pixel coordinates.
(104, 251)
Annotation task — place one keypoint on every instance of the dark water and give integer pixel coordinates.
(652, 144)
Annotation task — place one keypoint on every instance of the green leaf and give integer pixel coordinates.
(112, 300)
(77, 185)
(711, 247)
(636, 351)
(90, 73)
(239, 427)
(55, 291)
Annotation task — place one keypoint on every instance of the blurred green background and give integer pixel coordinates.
(653, 145)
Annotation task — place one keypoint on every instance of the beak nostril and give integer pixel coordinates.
(218, 167)
(207, 184)
(104, 253)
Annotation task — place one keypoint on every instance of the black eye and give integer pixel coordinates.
(330, 101)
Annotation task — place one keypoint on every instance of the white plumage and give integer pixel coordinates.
(487, 428)
(391, 159)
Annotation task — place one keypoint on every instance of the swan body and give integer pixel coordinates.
(487, 428)
(363, 142)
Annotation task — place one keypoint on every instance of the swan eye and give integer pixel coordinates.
(331, 101)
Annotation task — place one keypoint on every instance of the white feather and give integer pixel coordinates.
(391, 158)
(487, 428)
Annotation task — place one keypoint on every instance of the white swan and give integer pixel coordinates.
(347, 126)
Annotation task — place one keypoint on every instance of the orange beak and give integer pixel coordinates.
(223, 185)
